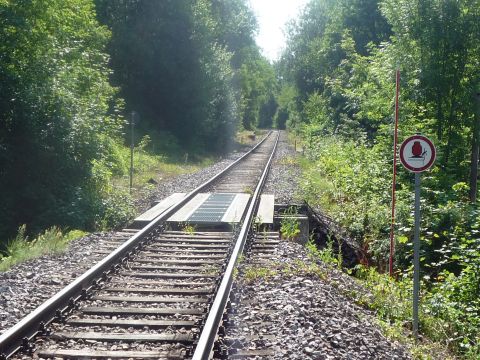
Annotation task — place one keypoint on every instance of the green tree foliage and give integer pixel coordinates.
(179, 65)
(342, 66)
(314, 48)
(169, 66)
(443, 37)
(287, 109)
(255, 82)
(55, 131)
(258, 90)
(236, 27)
(190, 69)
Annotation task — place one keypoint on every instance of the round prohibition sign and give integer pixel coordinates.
(417, 153)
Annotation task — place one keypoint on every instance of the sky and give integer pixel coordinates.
(272, 15)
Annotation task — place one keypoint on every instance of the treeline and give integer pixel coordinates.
(342, 58)
(71, 72)
(338, 91)
(187, 67)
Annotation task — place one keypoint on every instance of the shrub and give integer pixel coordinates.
(351, 181)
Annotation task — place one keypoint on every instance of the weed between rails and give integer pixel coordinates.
(188, 228)
(255, 273)
(288, 161)
(297, 268)
(326, 255)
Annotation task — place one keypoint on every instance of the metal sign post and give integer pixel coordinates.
(416, 257)
(417, 154)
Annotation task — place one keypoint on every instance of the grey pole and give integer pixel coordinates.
(416, 257)
(131, 150)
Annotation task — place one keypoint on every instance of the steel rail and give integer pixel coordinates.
(210, 329)
(32, 324)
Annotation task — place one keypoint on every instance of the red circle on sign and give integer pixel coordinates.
(416, 143)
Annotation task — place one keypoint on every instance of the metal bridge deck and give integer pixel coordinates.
(213, 208)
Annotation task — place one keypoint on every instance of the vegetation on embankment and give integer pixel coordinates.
(21, 248)
(338, 76)
(73, 71)
(149, 169)
(350, 182)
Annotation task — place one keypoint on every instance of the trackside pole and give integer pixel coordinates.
(132, 139)
(416, 257)
(395, 141)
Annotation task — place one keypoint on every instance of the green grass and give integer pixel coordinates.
(51, 241)
(289, 225)
(298, 267)
(302, 268)
(247, 137)
(392, 302)
(117, 205)
(149, 168)
(289, 161)
(326, 255)
(188, 228)
(254, 273)
(349, 182)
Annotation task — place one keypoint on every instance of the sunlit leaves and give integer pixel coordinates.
(345, 87)
(54, 55)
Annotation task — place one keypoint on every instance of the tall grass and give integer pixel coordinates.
(51, 241)
(150, 167)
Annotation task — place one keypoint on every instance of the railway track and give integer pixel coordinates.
(163, 286)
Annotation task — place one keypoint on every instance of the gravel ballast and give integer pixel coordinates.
(27, 285)
(312, 319)
(283, 177)
(306, 309)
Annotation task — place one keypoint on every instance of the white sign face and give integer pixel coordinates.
(417, 153)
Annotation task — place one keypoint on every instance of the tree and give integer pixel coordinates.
(445, 34)
(258, 86)
(54, 113)
(236, 28)
(314, 41)
(178, 63)
(475, 149)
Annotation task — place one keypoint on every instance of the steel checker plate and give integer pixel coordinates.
(212, 209)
